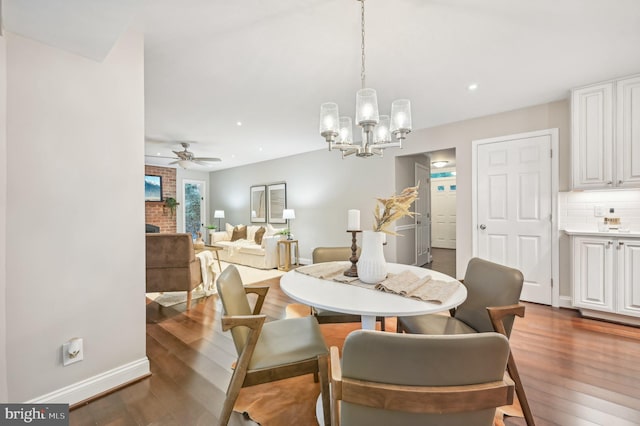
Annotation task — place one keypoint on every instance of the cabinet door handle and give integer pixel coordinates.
(483, 227)
(610, 183)
(620, 244)
(609, 243)
(620, 182)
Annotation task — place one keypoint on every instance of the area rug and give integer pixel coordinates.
(293, 401)
(248, 275)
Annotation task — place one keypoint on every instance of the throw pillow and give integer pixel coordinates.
(239, 233)
(229, 228)
(251, 232)
(259, 235)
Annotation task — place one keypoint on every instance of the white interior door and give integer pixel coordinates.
(514, 206)
(423, 216)
(443, 211)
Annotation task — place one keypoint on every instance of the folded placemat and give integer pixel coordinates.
(408, 284)
(324, 271)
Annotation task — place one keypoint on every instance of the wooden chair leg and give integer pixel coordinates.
(515, 376)
(323, 372)
(237, 378)
(189, 295)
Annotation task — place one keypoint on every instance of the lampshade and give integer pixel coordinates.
(184, 164)
(288, 214)
(218, 214)
(381, 133)
(346, 131)
(400, 116)
(366, 107)
(329, 118)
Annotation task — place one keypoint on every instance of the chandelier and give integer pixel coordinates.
(377, 130)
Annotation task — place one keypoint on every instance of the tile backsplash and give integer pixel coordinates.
(576, 209)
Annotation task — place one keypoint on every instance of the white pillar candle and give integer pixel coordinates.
(353, 220)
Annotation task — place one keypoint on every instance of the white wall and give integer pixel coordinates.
(325, 187)
(75, 249)
(321, 187)
(3, 217)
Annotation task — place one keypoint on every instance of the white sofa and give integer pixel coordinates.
(247, 251)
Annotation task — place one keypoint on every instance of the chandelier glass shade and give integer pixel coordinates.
(378, 130)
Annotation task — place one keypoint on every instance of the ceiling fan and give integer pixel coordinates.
(186, 157)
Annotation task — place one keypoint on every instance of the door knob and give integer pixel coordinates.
(483, 226)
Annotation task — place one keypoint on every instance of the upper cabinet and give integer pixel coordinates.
(605, 138)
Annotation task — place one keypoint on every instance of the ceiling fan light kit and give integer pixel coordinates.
(377, 130)
(186, 158)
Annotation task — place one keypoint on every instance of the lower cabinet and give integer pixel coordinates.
(606, 277)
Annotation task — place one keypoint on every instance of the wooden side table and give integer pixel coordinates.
(215, 250)
(287, 245)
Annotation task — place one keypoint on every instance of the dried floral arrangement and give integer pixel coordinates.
(395, 207)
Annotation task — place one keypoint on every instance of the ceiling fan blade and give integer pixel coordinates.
(175, 162)
(159, 156)
(207, 159)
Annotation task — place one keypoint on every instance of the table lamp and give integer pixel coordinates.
(288, 214)
(218, 214)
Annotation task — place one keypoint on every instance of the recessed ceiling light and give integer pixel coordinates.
(472, 87)
(260, 149)
(439, 164)
(233, 156)
(239, 123)
(158, 154)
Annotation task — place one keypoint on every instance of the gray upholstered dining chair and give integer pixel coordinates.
(493, 296)
(268, 351)
(419, 379)
(322, 255)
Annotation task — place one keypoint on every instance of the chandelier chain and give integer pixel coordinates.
(362, 72)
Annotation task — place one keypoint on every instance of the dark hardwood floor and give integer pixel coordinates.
(575, 371)
(443, 260)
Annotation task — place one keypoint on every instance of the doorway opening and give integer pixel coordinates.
(194, 206)
(442, 189)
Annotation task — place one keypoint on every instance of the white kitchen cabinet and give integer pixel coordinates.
(605, 135)
(593, 273)
(627, 133)
(606, 277)
(628, 253)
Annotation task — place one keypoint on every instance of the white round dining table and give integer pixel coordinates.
(366, 302)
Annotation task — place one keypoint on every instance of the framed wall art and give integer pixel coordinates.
(277, 196)
(258, 203)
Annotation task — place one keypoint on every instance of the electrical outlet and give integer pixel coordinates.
(598, 211)
(72, 351)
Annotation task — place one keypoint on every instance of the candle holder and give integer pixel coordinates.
(353, 270)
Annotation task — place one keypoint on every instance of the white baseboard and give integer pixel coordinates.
(565, 302)
(96, 385)
(305, 261)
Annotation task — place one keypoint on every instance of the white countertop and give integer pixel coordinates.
(594, 232)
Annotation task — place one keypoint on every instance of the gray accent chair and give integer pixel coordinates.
(268, 351)
(419, 379)
(322, 255)
(493, 296)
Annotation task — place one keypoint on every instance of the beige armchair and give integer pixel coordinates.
(268, 351)
(493, 296)
(171, 264)
(419, 379)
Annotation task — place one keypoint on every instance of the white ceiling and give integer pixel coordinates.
(269, 64)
